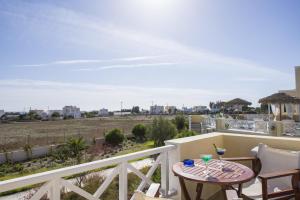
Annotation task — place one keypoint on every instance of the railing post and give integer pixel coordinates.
(279, 128)
(173, 157)
(55, 190)
(165, 174)
(220, 124)
(123, 181)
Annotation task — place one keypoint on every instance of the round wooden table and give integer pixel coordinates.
(225, 176)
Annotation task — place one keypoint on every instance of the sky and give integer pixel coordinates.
(95, 54)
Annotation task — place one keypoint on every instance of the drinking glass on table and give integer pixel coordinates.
(220, 152)
(206, 158)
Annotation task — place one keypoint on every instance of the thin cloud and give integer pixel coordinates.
(90, 61)
(140, 65)
(252, 79)
(83, 23)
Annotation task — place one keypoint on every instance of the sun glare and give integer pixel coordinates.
(154, 5)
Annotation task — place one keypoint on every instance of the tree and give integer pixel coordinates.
(32, 115)
(61, 153)
(135, 110)
(180, 122)
(139, 131)
(55, 115)
(91, 114)
(114, 137)
(162, 129)
(211, 105)
(76, 146)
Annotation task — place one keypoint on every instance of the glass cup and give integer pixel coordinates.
(206, 158)
(220, 152)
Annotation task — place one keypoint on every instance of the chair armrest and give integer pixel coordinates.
(279, 174)
(250, 158)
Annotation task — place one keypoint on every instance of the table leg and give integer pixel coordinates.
(224, 188)
(199, 191)
(183, 188)
(240, 190)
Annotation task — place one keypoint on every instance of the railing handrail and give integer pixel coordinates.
(76, 169)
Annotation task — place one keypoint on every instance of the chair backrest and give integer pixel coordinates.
(274, 160)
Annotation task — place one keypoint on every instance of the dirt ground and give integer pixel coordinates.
(15, 135)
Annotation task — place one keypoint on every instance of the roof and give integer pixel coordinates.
(238, 101)
(279, 97)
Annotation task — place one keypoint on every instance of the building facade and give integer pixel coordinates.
(200, 109)
(71, 111)
(103, 112)
(1, 113)
(170, 110)
(156, 110)
(187, 110)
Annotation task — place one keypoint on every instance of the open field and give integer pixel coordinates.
(16, 135)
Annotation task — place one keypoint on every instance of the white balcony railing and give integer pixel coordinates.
(53, 181)
(290, 128)
(247, 126)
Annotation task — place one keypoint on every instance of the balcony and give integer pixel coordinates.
(175, 150)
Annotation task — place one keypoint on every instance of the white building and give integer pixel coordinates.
(170, 109)
(156, 110)
(215, 110)
(71, 111)
(103, 112)
(123, 113)
(200, 109)
(187, 110)
(2, 113)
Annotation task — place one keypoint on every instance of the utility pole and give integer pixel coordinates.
(121, 107)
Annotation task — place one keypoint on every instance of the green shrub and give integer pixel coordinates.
(76, 146)
(114, 137)
(28, 149)
(61, 153)
(162, 129)
(185, 134)
(139, 131)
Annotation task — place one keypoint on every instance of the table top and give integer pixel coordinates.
(229, 174)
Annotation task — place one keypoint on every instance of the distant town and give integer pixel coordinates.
(235, 106)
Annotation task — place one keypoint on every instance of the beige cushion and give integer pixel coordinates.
(272, 160)
(253, 189)
(141, 196)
